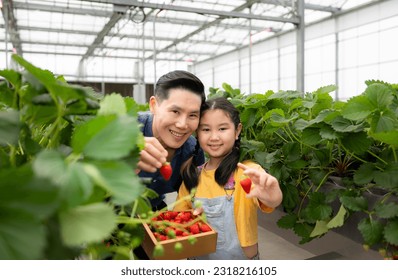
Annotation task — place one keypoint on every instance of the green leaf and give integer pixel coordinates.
(106, 137)
(44, 76)
(358, 108)
(390, 232)
(112, 104)
(319, 229)
(9, 127)
(387, 211)
(317, 207)
(85, 132)
(12, 76)
(51, 165)
(7, 96)
(364, 174)
(87, 223)
(41, 114)
(21, 190)
(354, 203)
(388, 178)
(118, 179)
(290, 195)
(371, 230)
(384, 121)
(303, 230)
(389, 137)
(358, 143)
(22, 236)
(328, 133)
(77, 185)
(338, 220)
(311, 136)
(379, 95)
(341, 124)
(326, 89)
(288, 221)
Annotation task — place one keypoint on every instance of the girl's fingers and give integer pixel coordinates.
(241, 165)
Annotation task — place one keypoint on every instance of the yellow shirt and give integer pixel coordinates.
(245, 209)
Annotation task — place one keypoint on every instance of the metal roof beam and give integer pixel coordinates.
(223, 14)
(203, 27)
(100, 13)
(308, 6)
(11, 25)
(107, 47)
(113, 34)
(94, 55)
(101, 35)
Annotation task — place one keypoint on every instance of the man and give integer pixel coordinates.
(168, 127)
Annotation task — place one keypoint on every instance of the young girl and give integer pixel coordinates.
(229, 210)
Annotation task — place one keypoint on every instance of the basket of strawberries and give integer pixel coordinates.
(175, 235)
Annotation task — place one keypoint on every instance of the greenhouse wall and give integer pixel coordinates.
(345, 50)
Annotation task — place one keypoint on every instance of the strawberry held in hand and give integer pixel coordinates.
(166, 171)
(246, 184)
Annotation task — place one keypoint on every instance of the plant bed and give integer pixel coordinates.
(168, 239)
(308, 139)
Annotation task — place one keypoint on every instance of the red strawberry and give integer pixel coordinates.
(246, 184)
(204, 228)
(166, 171)
(166, 216)
(194, 229)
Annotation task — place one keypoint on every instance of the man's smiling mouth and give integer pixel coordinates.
(176, 133)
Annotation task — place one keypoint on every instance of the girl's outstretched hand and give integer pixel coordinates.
(265, 186)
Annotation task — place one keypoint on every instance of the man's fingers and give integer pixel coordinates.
(146, 167)
(154, 144)
(198, 211)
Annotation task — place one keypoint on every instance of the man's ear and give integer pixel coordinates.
(238, 131)
(153, 104)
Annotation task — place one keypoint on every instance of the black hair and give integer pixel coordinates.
(179, 79)
(190, 173)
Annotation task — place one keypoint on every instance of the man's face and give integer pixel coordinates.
(175, 118)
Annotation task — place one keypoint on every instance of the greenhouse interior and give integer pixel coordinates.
(315, 83)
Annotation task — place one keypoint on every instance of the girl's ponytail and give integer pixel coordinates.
(189, 172)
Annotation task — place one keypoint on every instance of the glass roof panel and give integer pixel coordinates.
(184, 30)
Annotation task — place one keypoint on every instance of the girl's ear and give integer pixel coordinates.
(153, 104)
(238, 131)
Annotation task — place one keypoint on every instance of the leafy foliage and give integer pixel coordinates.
(330, 157)
(67, 159)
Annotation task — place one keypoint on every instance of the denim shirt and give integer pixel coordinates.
(183, 153)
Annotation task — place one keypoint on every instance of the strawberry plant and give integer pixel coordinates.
(67, 160)
(335, 160)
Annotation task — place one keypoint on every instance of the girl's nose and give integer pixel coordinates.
(214, 136)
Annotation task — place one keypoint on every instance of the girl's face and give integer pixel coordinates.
(217, 133)
(175, 118)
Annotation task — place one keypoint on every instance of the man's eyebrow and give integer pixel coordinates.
(175, 107)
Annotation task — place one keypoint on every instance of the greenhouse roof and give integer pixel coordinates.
(170, 30)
